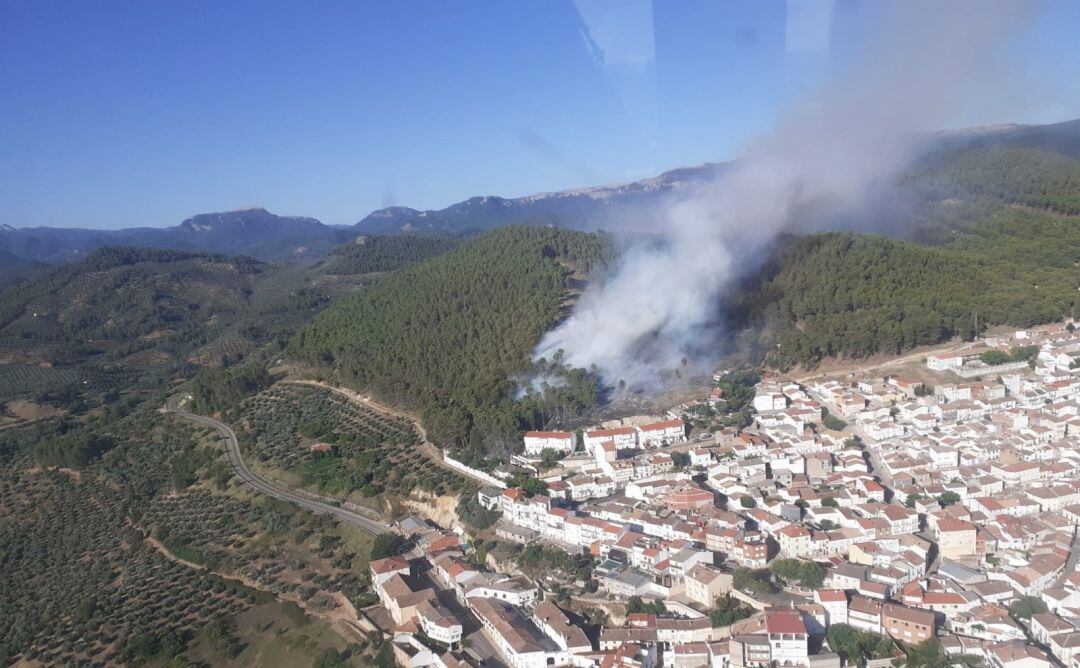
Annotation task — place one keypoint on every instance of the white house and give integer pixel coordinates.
(769, 401)
(945, 361)
(661, 433)
(438, 623)
(621, 437)
(538, 441)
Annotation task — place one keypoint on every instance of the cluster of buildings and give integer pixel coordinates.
(433, 594)
(609, 457)
(643, 435)
(945, 507)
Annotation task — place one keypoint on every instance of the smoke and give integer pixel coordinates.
(826, 158)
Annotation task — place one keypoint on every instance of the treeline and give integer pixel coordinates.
(219, 389)
(1018, 175)
(369, 254)
(73, 450)
(446, 337)
(843, 294)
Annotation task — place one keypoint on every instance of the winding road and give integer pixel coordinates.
(174, 405)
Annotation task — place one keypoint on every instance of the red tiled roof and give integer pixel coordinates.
(954, 525)
(831, 595)
(389, 565)
(616, 431)
(784, 621)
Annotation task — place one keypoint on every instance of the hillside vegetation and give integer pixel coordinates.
(253, 232)
(126, 318)
(1017, 175)
(377, 254)
(84, 579)
(999, 244)
(446, 337)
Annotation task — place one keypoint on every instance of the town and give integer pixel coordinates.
(865, 517)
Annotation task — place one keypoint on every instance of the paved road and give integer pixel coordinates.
(251, 480)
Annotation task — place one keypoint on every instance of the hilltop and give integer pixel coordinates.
(995, 239)
(579, 208)
(445, 337)
(252, 232)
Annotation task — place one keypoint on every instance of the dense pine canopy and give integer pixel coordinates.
(999, 244)
(371, 254)
(447, 336)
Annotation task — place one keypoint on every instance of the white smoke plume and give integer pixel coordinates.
(825, 156)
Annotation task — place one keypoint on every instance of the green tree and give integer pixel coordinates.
(528, 484)
(727, 610)
(389, 545)
(275, 517)
(808, 574)
(223, 638)
(994, 357)
(548, 458)
(73, 450)
(856, 647)
(330, 658)
(1026, 606)
(472, 513)
(636, 605)
(680, 459)
(747, 501)
(928, 654)
(747, 580)
(948, 498)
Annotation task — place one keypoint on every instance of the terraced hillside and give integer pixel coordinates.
(337, 446)
(92, 558)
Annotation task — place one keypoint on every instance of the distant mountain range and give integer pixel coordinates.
(253, 232)
(579, 208)
(263, 235)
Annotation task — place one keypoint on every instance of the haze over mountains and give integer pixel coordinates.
(306, 239)
(258, 233)
(254, 232)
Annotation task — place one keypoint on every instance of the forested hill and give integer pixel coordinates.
(999, 243)
(1017, 175)
(14, 269)
(124, 318)
(379, 253)
(446, 336)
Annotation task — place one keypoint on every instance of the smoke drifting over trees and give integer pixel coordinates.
(826, 158)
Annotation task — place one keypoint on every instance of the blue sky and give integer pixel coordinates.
(130, 113)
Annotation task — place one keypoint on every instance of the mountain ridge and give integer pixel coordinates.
(280, 237)
(305, 239)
